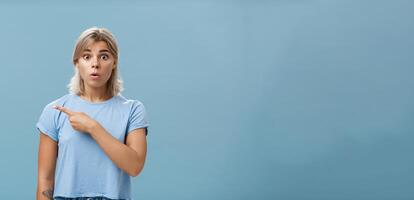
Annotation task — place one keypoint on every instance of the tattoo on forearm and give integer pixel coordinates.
(48, 193)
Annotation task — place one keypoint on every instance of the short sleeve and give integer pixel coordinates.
(138, 117)
(47, 122)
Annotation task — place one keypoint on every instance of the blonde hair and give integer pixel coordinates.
(95, 34)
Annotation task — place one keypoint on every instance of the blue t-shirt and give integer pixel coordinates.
(82, 167)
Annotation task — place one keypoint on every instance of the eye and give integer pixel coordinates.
(86, 57)
(104, 57)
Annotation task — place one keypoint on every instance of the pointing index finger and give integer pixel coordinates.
(63, 109)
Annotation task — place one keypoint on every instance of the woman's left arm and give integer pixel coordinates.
(130, 157)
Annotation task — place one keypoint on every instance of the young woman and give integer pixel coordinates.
(92, 140)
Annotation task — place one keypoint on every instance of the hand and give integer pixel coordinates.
(78, 120)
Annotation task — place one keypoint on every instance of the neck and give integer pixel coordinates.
(95, 95)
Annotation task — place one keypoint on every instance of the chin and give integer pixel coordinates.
(96, 84)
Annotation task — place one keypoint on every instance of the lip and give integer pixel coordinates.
(94, 76)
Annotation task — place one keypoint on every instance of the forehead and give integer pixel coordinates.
(97, 46)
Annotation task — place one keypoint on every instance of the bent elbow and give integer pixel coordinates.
(133, 174)
(135, 171)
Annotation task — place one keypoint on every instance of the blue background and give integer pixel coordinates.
(300, 99)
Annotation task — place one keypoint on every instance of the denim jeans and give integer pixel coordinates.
(83, 198)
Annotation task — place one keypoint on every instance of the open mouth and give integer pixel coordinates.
(94, 75)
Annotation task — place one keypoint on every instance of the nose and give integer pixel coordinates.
(95, 63)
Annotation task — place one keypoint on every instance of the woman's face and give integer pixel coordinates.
(95, 65)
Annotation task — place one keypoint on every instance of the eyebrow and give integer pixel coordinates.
(103, 50)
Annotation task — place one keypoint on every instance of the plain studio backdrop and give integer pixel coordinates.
(298, 100)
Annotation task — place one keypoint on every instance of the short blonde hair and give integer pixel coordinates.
(95, 34)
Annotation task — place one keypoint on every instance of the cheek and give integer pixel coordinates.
(82, 70)
(108, 70)
(108, 74)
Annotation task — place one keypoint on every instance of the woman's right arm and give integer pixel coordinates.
(46, 167)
